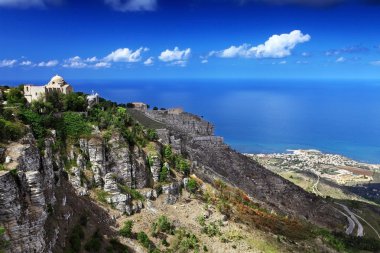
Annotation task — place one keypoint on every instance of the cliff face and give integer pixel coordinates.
(47, 192)
(24, 195)
(212, 159)
(44, 195)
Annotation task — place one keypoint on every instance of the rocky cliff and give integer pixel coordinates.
(43, 194)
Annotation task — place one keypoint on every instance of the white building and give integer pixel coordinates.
(56, 84)
(92, 99)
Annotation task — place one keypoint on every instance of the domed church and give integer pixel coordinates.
(56, 84)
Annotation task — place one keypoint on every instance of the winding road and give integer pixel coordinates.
(360, 231)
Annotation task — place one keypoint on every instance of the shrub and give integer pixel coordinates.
(75, 125)
(212, 229)
(15, 96)
(182, 165)
(56, 99)
(126, 230)
(3, 243)
(101, 195)
(10, 130)
(164, 173)
(152, 135)
(95, 243)
(36, 121)
(134, 193)
(167, 152)
(184, 242)
(75, 238)
(192, 185)
(144, 240)
(74, 102)
(162, 225)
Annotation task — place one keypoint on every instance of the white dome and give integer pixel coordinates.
(57, 80)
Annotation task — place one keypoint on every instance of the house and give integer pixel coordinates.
(56, 84)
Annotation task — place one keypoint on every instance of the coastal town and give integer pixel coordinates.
(333, 167)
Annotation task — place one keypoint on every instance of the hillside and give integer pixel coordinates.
(115, 179)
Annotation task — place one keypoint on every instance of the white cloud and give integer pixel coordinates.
(132, 5)
(282, 62)
(277, 46)
(341, 59)
(376, 63)
(7, 63)
(175, 56)
(92, 59)
(149, 61)
(51, 63)
(23, 4)
(204, 61)
(77, 62)
(25, 63)
(125, 55)
(102, 65)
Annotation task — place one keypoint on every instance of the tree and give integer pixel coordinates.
(75, 102)
(56, 99)
(15, 96)
(40, 106)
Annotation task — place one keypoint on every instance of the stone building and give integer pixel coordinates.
(56, 84)
(140, 106)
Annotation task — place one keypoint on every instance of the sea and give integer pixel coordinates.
(268, 116)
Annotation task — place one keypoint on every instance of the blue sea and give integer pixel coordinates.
(266, 116)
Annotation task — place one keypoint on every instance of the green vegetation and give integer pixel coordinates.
(126, 230)
(345, 243)
(211, 229)
(75, 239)
(143, 239)
(10, 131)
(162, 225)
(3, 243)
(176, 160)
(134, 193)
(95, 243)
(75, 126)
(164, 173)
(101, 195)
(184, 242)
(192, 186)
(15, 96)
(152, 135)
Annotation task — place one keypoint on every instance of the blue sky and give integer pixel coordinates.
(148, 39)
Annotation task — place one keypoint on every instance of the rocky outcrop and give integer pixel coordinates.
(23, 202)
(155, 167)
(186, 122)
(121, 202)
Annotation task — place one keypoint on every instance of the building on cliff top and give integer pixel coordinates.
(56, 84)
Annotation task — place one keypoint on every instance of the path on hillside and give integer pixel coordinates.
(353, 217)
(314, 188)
(378, 235)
